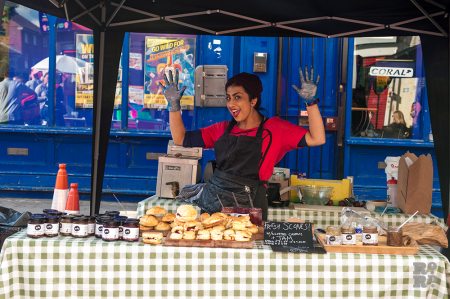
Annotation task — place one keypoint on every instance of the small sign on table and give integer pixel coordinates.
(290, 237)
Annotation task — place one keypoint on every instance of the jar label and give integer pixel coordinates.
(131, 233)
(348, 239)
(51, 228)
(79, 230)
(98, 230)
(65, 228)
(333, 240)
(110, 233)
(91, 228)
(36, 229)
(369, 239)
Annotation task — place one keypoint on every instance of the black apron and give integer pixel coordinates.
(235, 181)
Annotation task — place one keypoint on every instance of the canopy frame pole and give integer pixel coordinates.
(300, 30)
(189, 25)
(425, 13)
(115, 13)
(417, 19)
(242, 29)
(357, 31)
(303, 20)
(129, 8)
(134, 22)
(66, 12)
(55, 3)
(436, 4)
(85, 12)
(88, 11)
(418, 31)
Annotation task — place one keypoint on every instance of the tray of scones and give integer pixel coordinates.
(188, 229)
(155, 225)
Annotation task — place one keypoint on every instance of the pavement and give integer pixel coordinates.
(36, 205)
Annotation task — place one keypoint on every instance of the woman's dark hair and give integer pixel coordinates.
(251, 84)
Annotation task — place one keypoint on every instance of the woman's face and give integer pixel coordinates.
(396, 118)
(238, 103)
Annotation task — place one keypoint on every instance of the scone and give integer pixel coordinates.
(154, 238)
(156, 211)
(186, 213)
(169, 217)
(238, 225)
(214, 220)
(216, 235)
(177, 233)
(148, 220)
(228, 235)
(220, 228)
(243, 236)
(162, 226)
(203, 216)
(203, 234)
(193, 226)
(253, 229)
(189, 235)
(176, 222)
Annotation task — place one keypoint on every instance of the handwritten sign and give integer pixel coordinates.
(288, 236)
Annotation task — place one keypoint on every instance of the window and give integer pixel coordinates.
(19, 76)
(150, 57)
(388, 88)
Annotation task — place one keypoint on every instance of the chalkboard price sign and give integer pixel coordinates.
(288, 236)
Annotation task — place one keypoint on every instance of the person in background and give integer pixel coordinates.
(398, 119)
(42, 94)
(4, 88)
(398, 125)
(248, 146)
(35, 80)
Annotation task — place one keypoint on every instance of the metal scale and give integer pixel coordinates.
(178, 168)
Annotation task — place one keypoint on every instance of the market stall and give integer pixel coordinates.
(73, 267)
(320, 217)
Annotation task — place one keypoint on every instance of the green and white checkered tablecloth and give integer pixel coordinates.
(320, 218)
(65, 267)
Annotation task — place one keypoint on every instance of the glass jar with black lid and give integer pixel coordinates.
(110, 230)
(80, 227)
(65, 225)
(131, 230)
(36, 226)
(52, 225)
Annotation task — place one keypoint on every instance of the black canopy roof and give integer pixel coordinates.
(319, 18)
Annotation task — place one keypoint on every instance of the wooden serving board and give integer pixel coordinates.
(206, 243)
(259, 235)
(382, 247)
(328, 208)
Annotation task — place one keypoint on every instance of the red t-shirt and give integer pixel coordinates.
(279, 137)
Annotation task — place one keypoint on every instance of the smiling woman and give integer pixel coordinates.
(249, 145)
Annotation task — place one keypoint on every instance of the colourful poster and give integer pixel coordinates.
(136, 94)
(136, 61)
(161, 56)
(84, 91)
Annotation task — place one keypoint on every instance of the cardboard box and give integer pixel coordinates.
(415, 183)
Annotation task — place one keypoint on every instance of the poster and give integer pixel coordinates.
(161, 56)
(136, 94)
(84, 91)
(136, 61)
